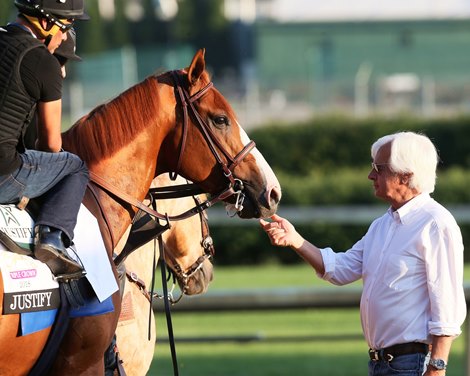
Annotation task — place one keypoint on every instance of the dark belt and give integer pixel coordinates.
(387, 354)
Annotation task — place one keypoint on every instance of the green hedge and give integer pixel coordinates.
(246, 245)
(329, 143)
(351, 186)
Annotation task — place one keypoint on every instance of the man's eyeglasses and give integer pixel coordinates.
(377, 166)
(65, 25)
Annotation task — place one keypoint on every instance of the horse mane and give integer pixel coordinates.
(112, 125)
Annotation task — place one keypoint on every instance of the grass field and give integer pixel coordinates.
(270, 343)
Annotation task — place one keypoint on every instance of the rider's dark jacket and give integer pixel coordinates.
(16, 105)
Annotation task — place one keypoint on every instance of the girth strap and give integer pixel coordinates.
(74, 296)
(11, 245)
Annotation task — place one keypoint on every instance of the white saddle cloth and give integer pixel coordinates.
(88, 244)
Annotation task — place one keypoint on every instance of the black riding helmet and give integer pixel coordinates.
(60, 15)
(62, 9)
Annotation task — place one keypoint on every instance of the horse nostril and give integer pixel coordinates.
(274, 196)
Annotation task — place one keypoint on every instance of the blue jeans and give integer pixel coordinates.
(403, 365)
(59, 178)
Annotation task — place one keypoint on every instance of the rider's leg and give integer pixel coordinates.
(60, 179)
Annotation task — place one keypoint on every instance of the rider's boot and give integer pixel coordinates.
(49, 248)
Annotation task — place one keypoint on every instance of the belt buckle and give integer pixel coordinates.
(374, 355)
(389, 357)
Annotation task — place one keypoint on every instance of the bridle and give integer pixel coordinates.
(187, 103)
(184, 276)
(181, 275)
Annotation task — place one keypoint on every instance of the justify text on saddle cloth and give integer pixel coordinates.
(88, 245)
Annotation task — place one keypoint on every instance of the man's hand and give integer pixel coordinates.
(281, 232)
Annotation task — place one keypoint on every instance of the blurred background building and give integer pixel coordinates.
(282, 59)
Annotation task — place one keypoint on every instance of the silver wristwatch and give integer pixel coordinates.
(438, 364)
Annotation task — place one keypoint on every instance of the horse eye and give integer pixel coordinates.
(221, 121)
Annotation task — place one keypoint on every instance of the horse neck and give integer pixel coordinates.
(130, 170)
(126, 176)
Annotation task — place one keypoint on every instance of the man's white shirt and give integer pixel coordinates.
(411, 263)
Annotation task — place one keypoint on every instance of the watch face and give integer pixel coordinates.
(438, 363)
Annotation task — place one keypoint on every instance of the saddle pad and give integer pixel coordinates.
(32, 322)
(29, 290)
(27, 282)
(92, 252)
(93, 307)
(17, 224)
(89, 245)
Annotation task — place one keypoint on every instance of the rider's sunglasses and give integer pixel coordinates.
(64, 24)
(377, 167)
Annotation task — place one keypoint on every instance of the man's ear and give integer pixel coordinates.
(405, 178)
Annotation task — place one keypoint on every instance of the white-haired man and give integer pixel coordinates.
(410, 261)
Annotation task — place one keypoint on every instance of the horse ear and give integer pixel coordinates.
(197, 67)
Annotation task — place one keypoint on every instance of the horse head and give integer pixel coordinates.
(208, 127)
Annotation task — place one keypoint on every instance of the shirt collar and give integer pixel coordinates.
(401, 214)
(24, 28)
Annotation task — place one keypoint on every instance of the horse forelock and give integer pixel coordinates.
(113, 125)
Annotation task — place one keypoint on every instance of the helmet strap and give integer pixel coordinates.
(43, 33)
(48, 40)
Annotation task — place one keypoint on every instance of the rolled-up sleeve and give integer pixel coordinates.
(444, 266)
(343, 267)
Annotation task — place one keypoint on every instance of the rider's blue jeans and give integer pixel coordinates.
(59, 178)
(403, 365)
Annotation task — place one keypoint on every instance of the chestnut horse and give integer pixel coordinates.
(175, 122)
(187, 253)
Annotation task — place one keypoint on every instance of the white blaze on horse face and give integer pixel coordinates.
(271, 180)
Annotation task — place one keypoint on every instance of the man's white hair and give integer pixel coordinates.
(414, 154)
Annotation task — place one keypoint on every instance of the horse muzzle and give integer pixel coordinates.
(261, 205)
